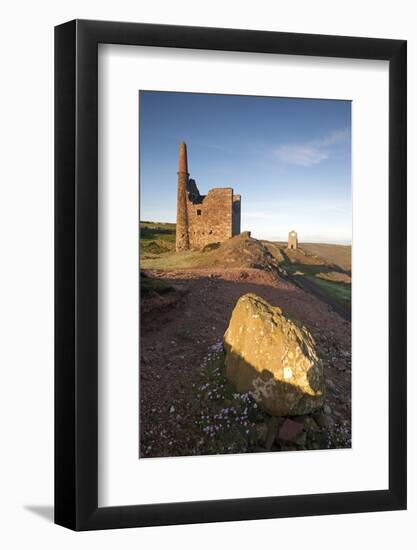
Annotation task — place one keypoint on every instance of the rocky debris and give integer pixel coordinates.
(290, 430)
(154, 303)
(262, 432)
(319, 440)
(330, 384)
(271, 432)
(241, 251)
(301, 440)
(274, 358)
(336, 276)
(161, 433)
(310, 424)
(305, 432)
(323, 420)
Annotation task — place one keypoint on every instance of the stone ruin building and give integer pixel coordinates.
(203, 219)
(292, 240)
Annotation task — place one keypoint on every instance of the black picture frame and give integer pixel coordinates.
(76, 272)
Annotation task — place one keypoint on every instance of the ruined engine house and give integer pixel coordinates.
(203, 219)
(292, 240)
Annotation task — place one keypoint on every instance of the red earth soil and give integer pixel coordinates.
(178, 329)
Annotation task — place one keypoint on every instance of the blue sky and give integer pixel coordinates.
(290, 159)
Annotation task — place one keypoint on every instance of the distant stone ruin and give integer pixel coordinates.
(203, 219)
(292, 240)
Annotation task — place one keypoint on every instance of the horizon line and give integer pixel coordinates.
(273, 239)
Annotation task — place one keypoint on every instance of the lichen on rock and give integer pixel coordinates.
(273, 357)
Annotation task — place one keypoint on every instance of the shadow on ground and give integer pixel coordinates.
(45, 512)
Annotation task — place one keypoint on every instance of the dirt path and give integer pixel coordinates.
(176, 338)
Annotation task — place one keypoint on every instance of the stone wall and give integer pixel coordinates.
(210, 219)
(236, 215)
(203, 219)
(292, 240)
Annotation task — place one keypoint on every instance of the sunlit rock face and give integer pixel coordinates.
(274, 358)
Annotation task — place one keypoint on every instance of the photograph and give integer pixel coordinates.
(208, 237)
(245, 274)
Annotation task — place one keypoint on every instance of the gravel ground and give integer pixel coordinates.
(178, 330)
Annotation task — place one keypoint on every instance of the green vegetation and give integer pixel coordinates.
(338, 291)
(231, 422)
(150, 285)
(227, 420)
(172, 260)
(156, 238)
(319, 270)
(325, 266)
(241, 252)
(330, 278)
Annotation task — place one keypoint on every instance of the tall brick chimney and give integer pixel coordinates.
(182, 241)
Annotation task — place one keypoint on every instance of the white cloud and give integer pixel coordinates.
(313, 152)
(301, 155)
(338, 136)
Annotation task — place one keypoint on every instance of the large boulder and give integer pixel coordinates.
(274, 358)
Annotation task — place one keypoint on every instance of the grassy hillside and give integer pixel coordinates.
(336, 254)
(156, 238)
(324, 268)
(339, 291)
(241, 251)
(325, 272)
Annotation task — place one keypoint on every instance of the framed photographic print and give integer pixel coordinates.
(230, 275)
